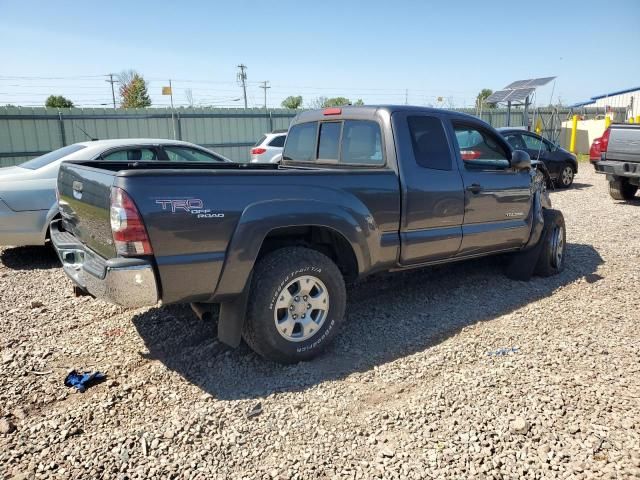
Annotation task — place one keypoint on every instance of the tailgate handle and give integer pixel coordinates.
(77, 186)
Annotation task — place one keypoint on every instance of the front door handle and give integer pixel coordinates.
(474, 188)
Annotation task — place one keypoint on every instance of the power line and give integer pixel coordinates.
(264, 86)
(242, 77)
(113, 92)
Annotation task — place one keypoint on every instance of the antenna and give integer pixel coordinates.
(83, 131)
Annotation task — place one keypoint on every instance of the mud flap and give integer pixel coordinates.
(523, 264)
(231, 318)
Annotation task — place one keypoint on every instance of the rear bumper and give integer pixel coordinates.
(129, 282)
(618, 169)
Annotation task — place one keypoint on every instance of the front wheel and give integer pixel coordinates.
(296, 304)
(554, 241)
(566, 176)
(621, 189)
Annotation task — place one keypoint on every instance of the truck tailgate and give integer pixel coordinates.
(624, 143)
(84, 200)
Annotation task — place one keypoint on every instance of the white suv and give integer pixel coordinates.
(269, 148)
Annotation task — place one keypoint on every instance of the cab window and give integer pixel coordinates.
(301, 142)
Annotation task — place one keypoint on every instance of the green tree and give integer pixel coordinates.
(133, 90)
(358, 102)
(58, 101)
(292, 102)
(336, 102)
(481, 99)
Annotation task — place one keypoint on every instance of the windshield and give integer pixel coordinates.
(50, 157)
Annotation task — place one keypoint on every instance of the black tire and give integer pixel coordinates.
(554, 232)
(565, 178)
(271, 276)
(621, 189)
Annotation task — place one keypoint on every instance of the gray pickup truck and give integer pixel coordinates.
(359, 190)
(620, 160)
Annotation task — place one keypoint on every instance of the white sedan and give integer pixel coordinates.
(27, 191)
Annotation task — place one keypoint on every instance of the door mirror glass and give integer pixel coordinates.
(520, 160)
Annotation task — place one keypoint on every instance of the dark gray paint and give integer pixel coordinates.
(395, 216)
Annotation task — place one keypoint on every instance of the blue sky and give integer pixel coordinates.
(374, 50)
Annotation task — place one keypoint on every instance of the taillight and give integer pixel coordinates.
(595, 150)
(127, 227)
(604, 140)
(258, 151)
(470, 154)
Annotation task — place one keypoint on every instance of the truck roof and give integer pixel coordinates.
(370, 111)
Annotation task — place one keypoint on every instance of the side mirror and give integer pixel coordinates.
(520, 160)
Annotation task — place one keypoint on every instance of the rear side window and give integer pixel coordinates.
(278, 141)
(301, 143)
(361, 143)
(50, 157)
(329, 144)
(430, 146)
(187, 154)
(134, 154)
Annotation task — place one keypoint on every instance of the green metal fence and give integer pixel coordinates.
(29, 132)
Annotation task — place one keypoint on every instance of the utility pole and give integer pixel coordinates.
(242, 79)
(406, 96)
(113, 92)
(264, 86)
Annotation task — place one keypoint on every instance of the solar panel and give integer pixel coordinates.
(499, 96)
(520, 94)
(511, 95)
(531, 82)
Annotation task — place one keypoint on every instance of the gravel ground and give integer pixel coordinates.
(409, 390)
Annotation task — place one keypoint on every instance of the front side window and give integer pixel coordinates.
(479, 149)
(186, 154)
(132, 154)
(515, 140)
(533, 143)
(47, 158)
(278, 141)
(430, 146)
(301, 143)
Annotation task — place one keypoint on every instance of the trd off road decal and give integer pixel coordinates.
(194, 206)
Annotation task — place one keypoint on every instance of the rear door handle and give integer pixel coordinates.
(474, 188)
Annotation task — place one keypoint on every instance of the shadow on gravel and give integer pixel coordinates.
(388, 316)
(30, 258)
(574, 186)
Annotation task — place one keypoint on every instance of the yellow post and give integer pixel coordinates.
(637, 118)
(630, 119)
(607, 122)
(574, 131)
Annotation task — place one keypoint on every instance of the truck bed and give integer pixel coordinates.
(363, 201)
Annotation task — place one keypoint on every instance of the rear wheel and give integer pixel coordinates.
(621, 189)
(296, 304)
(554, 241)
(565, 179)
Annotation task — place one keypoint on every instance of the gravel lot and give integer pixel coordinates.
(409, 390)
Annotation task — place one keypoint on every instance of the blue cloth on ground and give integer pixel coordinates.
(82, 381)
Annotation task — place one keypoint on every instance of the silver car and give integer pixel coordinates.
(28, 191)
(269, 148)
